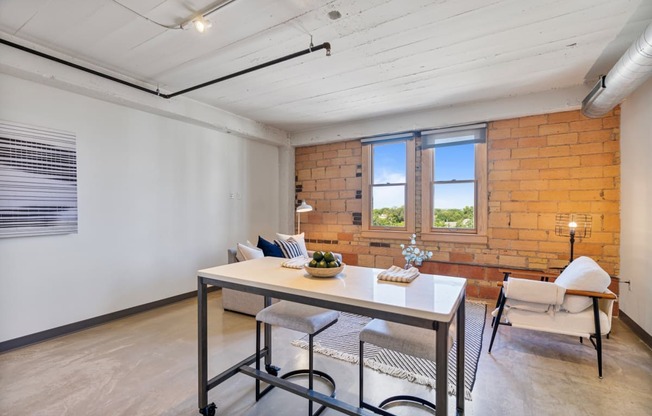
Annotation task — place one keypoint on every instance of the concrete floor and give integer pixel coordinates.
(147, 365)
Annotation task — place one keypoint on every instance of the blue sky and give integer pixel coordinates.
(389, 166)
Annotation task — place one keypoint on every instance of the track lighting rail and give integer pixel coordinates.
(325, 45)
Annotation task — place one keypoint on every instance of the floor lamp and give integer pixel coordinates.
(302, 208)
(573, 225)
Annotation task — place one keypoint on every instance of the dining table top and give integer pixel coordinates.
(431, 297)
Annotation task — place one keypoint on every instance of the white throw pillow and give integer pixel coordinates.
(246, 252)
(582, 274)
(299, 238)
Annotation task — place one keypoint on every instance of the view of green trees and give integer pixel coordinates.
(444, 218)
(389, 217)
(454, 218)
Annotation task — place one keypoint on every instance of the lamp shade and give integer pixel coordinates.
(304, 207)
(579, 224)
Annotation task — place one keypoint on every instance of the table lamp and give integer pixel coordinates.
(302, 208)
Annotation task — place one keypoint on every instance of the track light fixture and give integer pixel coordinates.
(201, 24)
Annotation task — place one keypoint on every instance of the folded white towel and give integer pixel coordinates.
(397, 274)
(296, 262)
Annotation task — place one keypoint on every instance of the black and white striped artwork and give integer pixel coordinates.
(38, 181)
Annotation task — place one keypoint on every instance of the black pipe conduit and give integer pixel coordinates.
(324, 45)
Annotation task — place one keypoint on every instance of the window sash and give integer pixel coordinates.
(368, 229)
(387, 140)
(454, 235)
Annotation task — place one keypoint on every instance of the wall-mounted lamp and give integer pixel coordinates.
(573, 225)
(302, 208)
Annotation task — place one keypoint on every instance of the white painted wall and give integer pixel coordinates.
(154, 206)
(635, 203)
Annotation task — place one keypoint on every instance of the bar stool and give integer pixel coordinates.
(409, 340)
(308, 319)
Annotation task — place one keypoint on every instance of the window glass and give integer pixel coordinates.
(388, 206)
(454, 162)
(454, 186)
(454, 205)
(389, 163)
(389, 183)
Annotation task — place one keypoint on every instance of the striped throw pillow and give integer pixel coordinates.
(289, 247)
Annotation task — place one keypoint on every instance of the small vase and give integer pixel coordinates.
(407, 266)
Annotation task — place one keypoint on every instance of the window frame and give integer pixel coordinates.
(368, 230)
(478, 235)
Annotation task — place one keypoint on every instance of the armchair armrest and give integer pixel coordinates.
(600, 295)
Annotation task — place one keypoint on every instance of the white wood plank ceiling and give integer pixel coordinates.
(389, 56)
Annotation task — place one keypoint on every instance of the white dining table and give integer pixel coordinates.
(430, 301)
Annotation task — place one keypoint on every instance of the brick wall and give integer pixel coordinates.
(537, 166)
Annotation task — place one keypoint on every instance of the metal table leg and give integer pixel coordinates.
(442, 369)
(461, 328)
(202, 342)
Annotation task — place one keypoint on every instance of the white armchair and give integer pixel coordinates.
(560, 307)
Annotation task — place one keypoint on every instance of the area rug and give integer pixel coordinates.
(341, 341)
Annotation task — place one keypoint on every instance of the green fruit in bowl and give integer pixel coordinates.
(322, 264)
(333, 264)
(329, 257)
(313, 263)
(318, 256)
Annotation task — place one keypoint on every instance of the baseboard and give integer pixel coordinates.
(640, 332)
(88, 323)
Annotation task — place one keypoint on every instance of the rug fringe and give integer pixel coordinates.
(411, 377)
(340, 355)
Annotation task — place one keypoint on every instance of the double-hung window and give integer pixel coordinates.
(388, 179)
(454, 184)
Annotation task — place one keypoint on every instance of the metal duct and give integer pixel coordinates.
(631, 70)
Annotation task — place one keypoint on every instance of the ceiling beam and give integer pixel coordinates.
(499, 109)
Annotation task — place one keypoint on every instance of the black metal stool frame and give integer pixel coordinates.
(394, 399)
(273, 370)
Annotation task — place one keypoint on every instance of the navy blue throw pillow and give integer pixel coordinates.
(269, 249)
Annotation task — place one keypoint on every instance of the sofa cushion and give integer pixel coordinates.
(582, 274)
(246, 252)
(290, 248)
(299, 238)
(269, 249)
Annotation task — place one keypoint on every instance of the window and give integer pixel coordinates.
(388, 183)
(454, 184)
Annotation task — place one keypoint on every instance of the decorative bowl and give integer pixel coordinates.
(324, 271)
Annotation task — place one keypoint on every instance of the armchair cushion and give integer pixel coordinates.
(533, 291)
(582, 274)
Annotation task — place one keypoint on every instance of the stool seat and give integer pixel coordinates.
(308, 319)
(409, 340)
(298, 317)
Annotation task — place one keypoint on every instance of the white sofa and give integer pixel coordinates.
(242, 302)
